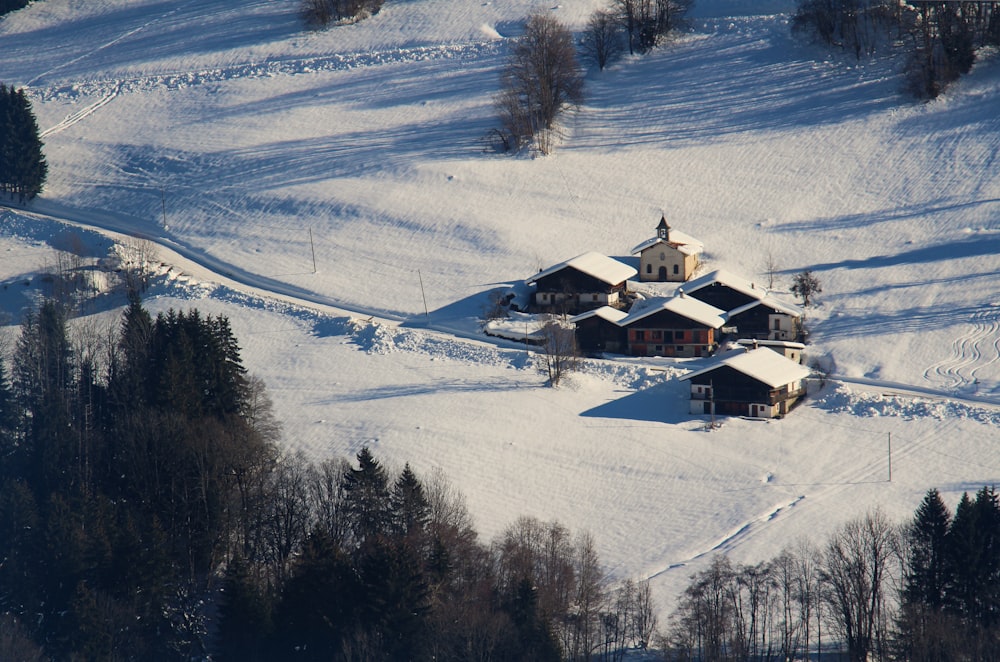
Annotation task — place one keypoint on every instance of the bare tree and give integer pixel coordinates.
(602, 38)
(540, 80)
(858, 565)
(559, 350)
(646, 22)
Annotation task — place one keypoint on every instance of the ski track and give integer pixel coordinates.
(268, 68)
(959, 370)
(109, 44)
(82, 114)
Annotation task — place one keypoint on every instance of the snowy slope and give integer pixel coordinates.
(246, 135)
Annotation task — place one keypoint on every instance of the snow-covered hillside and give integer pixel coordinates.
(234, 139)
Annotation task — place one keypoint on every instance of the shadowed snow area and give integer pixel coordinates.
(243, 145)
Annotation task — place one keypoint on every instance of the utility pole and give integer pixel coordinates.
(313, 248)
(163, 202)
(421, 279)
(890, 456)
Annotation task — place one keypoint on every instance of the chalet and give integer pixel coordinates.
(599, 330)
(789, 349)
(680, 326)
(670, 256)
(758, 383)
(587, 281)
(766, 319)
(724, 290)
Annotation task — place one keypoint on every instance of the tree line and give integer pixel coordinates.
(23, 168)
(939, 39)
(146, 512)
(926, 591)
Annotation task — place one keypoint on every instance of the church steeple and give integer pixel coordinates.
(663, 230)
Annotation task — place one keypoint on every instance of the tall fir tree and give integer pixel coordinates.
(23, 168)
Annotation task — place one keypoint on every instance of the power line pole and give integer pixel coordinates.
(313, 248)
(163, 202)
(421, 279)
(890, 456)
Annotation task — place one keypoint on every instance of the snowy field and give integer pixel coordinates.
(238, 143)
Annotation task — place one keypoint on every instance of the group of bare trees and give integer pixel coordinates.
(321, 13)
(540, 80)
(925, 591)
(939, 38)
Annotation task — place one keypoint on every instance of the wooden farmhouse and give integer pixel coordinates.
(599, 331)
(680, 326)
(670, 256)
(789, 349)
(587, 281)
(724, 290)
(758, 383)
(766, 319)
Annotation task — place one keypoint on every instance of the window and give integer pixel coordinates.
(640, 335)
(777, 324)
(663, 257)
(649, 268)
(677, 269)
(680, 348)
(595, 298)
(657, 335)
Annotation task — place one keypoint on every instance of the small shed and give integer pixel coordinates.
(599, 330)
(758, 383)
(587, 281)
(680, 326)
(789, 349)
(670, 256)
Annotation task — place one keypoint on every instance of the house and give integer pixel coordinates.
(587, 281)
(724, 290)
(766, 319)
(680, 326)
(759, 383)
(599, 330)
(670, 256)
(789, 349)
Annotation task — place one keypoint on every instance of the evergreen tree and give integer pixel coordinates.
(410, 508)
(244, 615)
(923, 627)
(22, 165)
(366, 491)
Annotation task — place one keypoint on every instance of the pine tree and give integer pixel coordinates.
(366, 492)
(410, 508)
(23, 168)
(922, 626)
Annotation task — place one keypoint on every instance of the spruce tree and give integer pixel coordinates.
(366, 492)
(23, 168)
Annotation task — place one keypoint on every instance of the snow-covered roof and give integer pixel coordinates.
(613, 315)
(727, 278)
(769, 301)
(601, 267)
(770, 343)
(761, 364)
(683, 242)
(683, 305)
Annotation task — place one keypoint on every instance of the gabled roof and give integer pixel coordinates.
(728, 279)
(599, 266)
(685, 243)
(770, 302)
(613, 315)
(761, 364)
(682, 305)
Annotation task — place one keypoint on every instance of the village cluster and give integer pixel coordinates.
(758, 371)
